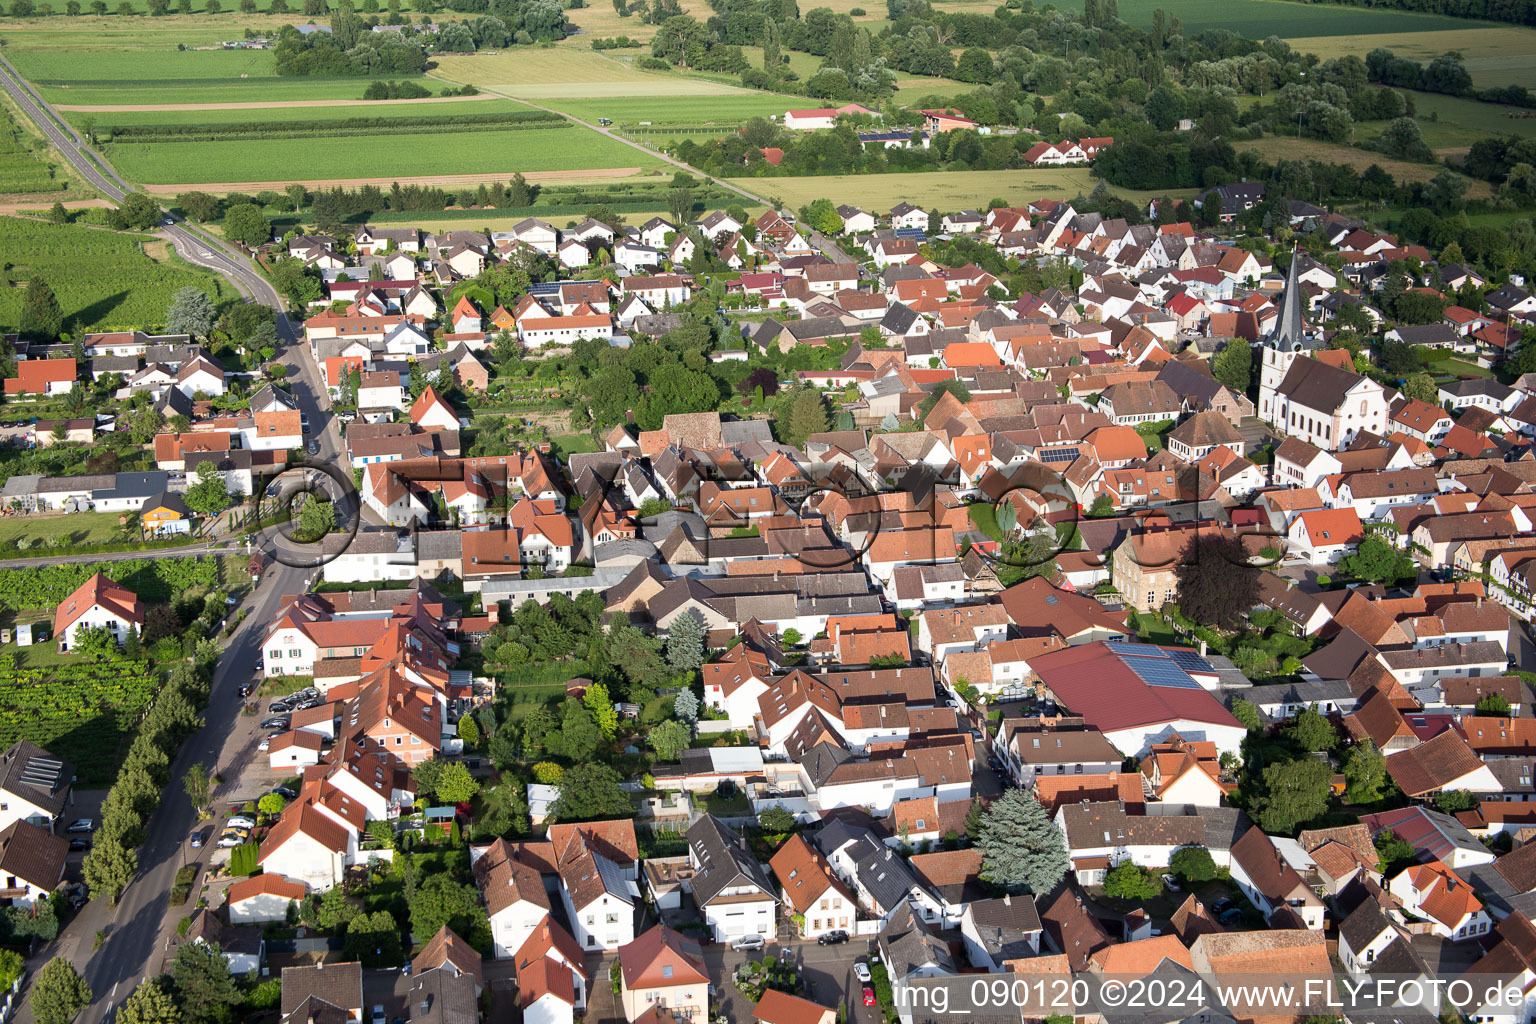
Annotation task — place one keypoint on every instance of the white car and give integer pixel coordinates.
(239, 821)
(861, 971)
(748, 942)
(377, 1016)
(265, 745)
(229, 840)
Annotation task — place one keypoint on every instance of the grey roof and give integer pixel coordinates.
(907, 944)
(1299, 692)
(442, 996)
(723, 861)
(29, 772)
(1478, 386)
(898, 318)
(744, 431)
(134, 485)
(1427, 334)
(1005, 926)
(837, 834)
(1365, 925)
(1317, 385)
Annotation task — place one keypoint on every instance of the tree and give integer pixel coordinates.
(375, 940)
(1022, 849)
(150, 1003)
(1365, 773)
(317, 518)
(334, 910)
(1454, 801)
(440, 901)
(41, 316)
(686, 707)
(469, 732)
(94, 643)
(1422, 387)
(208, 991)
(600, 706)
(246, 224)
(1233, 365)
(1310, 730)
(1103, 507)
(1495, 705)
(1393, 852)
(547, 773)
(1193, 864)
(1292, 793)
(1129, 881)
(426, 775)
(822, 216)
(1375, 559)
(191, 312)
(272, 803)
(775, 820)
(57, 214)
(685, 643)
(669, 739)
(456, 786)
(208, 495)
(198, 782)
(799, 414)
(59, 993)
(110, 865)
(680, 205)
(1217, 586)
(590, 791)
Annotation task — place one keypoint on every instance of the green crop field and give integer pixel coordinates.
(1457, 123)
(944, 190)
(103, 280)
(372, 156)
(255, 115)
(677, 111)
(86, 63)
(24, 167)
(78, 711)
(1258, 19)
(1495, 56)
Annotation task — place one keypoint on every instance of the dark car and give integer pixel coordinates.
(1232, 915)
(245, 689)
(276, 722)
(79, 844)
(313, 447)
(284, 792)
(832, 938)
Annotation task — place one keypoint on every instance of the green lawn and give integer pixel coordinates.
(984, 517)
(75, 529)
(371, 156)
(84, 62)
(103, 279)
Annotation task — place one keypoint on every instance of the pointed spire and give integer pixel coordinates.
(1288, 334)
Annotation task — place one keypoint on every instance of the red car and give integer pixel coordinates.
(869, 996)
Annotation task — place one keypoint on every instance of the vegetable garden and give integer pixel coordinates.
(81, 712)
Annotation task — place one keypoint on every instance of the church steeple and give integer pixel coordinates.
(1289, 333)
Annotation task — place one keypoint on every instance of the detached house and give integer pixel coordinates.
(733, 892)
(1436, 893)
(811, 891)
(663, 970)
(98, 603)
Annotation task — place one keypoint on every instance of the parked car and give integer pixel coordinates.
(869, 996)
(276, 722)
(1222, 906)
(1232, 915)
(377, 1016)
(832, 938)
(1172, 882)
(861, 970)
(748, 942)
(284, 792)
(313, 447)
(81, 825)
(79, 844)
(281, 706)
(239, 821)
(265, 745)
(229, 839)
(198, 838)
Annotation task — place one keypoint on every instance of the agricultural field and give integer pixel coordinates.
(395, 110)
(1282, 148)
(374, 156)
(945, 190)
(1495, 56)
(103, 279)
(81, 712)
(25, 165)
(552, 73)
(73, 530)
(1259, 19)
(1450, 122)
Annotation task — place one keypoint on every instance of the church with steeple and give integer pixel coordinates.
(1288, 340)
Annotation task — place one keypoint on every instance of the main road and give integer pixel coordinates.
(134, 946)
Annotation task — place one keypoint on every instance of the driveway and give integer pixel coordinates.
(826, 970)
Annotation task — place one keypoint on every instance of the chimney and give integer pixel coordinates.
(1007, 899)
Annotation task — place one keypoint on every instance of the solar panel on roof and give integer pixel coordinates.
(1190, 660)
(1133, 650)
(1053, 455)
(1162, 673)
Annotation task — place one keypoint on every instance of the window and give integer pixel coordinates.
(666, 970)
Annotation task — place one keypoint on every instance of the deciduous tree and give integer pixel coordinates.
(191, 312)
(58, 992)
(669, 739)
(590, 791)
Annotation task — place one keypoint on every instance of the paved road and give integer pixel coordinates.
(137, 929)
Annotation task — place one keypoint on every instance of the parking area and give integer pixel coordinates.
(826, 971)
